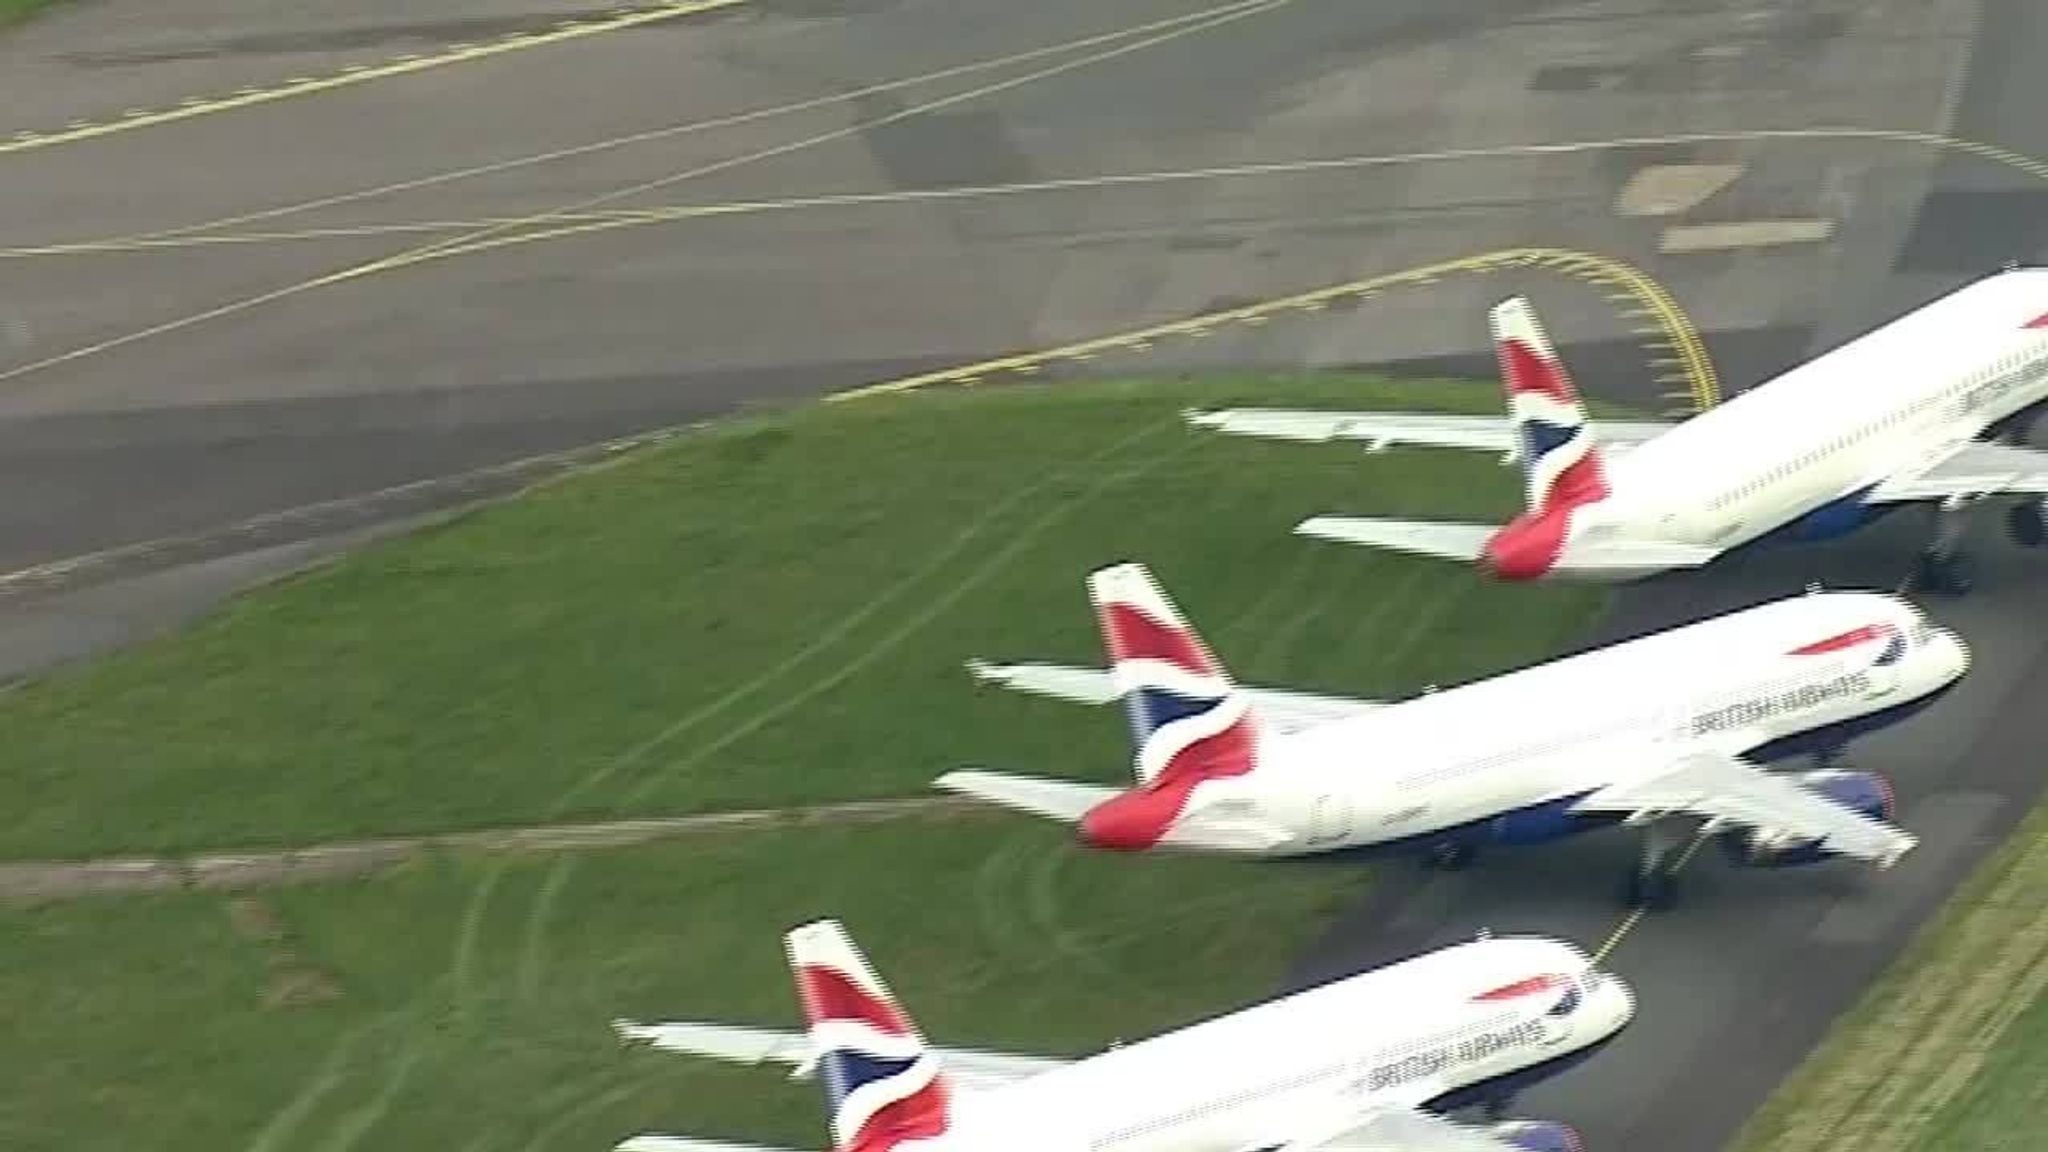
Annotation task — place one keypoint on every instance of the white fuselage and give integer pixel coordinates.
(1836, 425)
(1396, 1036)
(1565, 728)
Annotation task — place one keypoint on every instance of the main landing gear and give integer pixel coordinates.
(1653, 884)
(1943, 567)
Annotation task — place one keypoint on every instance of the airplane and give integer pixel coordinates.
(1931, 408)
(1661, 732)
(1377, 1060)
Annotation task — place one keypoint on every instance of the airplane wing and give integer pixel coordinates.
(1731, 790)
(1973, 469)
(1446, 540)
(1403, 1130)
(1285, 709)
(1378, 429)
(737, 1044)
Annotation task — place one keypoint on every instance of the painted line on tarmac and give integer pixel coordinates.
(1993, 153)
(484, 241)
(194, 107)
(668, 132)
(1674, 334)
(327, 517)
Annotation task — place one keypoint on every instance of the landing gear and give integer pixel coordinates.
(1943, 568)
(2027, 522)
(1654, 882)
(1449, 857)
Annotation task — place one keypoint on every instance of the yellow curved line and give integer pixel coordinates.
(193, 107)
(666, 132)
(485, 240)
(1676, 327)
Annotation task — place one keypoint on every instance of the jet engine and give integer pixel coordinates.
(1538, 1136)
(1865, 792)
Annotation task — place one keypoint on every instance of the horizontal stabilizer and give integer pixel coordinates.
(655, 1143)
(1063, 800)
(1419, 537)
(975, 1070)
(1610, 558)
(1284, 709)
(1082, 685)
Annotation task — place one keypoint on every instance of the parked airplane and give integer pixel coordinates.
(1658, 732)
(1899, 415)
(1373, 1060)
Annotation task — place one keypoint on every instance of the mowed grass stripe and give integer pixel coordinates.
(1927, 1029)
(409, 1012)
(475, 675)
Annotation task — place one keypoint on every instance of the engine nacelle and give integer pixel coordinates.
(1538, 1136)
(1865, 792)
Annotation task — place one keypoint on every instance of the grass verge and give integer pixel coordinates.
(464, 1003)
(771, 612)
(1949, 1051)
(16, 11)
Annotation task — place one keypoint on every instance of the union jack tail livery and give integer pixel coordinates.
(1560, 463)
(1188, 721)
(882, 1083)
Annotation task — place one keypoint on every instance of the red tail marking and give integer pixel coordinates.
(1527, 371)
(1132, 635)
(1136, 820)
(2040, 321)
(1583, 483)
(919, 1116)
(829, 995)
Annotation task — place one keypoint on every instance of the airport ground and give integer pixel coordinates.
(1791, 174)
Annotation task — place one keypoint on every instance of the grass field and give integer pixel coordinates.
(772, 612)
(464, 1004)
(1949, 1051)
(15, 11)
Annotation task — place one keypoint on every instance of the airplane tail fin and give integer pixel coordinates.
(1561, 464)
(1188, 720)
(882, 1083)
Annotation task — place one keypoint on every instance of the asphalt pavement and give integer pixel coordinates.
(153, 387)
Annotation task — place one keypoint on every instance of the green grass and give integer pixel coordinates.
(1948, 1052)
(772, 612)
(474, 996)
(16, 11)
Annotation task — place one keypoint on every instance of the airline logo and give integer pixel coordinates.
(1560, 466)
(882, 1084)
(1883, 632)
(1188, 722)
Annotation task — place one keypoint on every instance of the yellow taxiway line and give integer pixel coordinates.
(195, 107)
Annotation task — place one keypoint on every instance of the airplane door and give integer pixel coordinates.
(1329, 819)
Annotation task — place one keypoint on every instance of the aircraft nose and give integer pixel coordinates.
(1962, 650)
